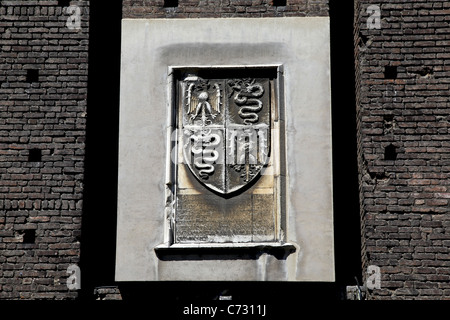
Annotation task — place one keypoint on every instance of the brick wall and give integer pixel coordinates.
(402, 86)
(223, 8)
(43, 90)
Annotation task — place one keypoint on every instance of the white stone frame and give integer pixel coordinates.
(149, 48)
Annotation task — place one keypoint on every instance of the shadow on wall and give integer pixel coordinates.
(98, 238)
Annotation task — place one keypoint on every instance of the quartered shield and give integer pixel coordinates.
(226, 130)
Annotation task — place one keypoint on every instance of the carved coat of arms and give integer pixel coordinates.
(226, 130)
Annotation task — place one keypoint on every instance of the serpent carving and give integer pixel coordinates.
(225, 124)
(204, 145)
(247, 96)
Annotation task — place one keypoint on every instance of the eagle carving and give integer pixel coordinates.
(203, 100)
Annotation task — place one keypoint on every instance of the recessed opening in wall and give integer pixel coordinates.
(390, 72)
(388, 117)
(64, 3)
(390, 152)
(29, 236)
(170, 3)
(279, 3)
(32, 75)
(35, 155)
(388, 121)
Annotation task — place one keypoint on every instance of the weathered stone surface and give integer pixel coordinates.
(210, 218)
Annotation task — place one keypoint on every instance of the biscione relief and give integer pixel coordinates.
(224, 188)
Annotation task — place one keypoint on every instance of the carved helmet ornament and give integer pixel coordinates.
(226, 130)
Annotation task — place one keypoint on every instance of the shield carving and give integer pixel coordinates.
(226, 130)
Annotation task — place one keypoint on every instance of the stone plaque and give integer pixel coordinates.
(224, 117)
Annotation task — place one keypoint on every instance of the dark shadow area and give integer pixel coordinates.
(224, 253)
(35, 155)
(279, 298)
(279, 3)
(170, 3)
(390, 152)
(345, 166)
(64, 3)
(390, 72)
(32, 75)
(98, 240)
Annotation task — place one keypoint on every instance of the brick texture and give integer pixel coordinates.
(224, 8)
(42, 143)
(403, 121)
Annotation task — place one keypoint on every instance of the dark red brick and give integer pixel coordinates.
(411, 37)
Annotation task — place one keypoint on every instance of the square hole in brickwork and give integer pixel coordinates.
(390, 72)
(279, 3)
(170, 3)
(32, 75)
(390, 152)
(35, 155)
(388, 121)
(388, 117)
(29, 236)
(64, 3)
